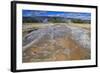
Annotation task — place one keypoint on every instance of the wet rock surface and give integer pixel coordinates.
(57, 43)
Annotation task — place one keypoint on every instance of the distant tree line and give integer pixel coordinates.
(80, 21)
(53, 20)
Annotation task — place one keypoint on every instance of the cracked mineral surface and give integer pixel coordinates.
(57, 43)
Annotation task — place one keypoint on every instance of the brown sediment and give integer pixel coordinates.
(60, 57)
(74, 51)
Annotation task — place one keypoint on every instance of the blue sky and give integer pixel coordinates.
(78, 15)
